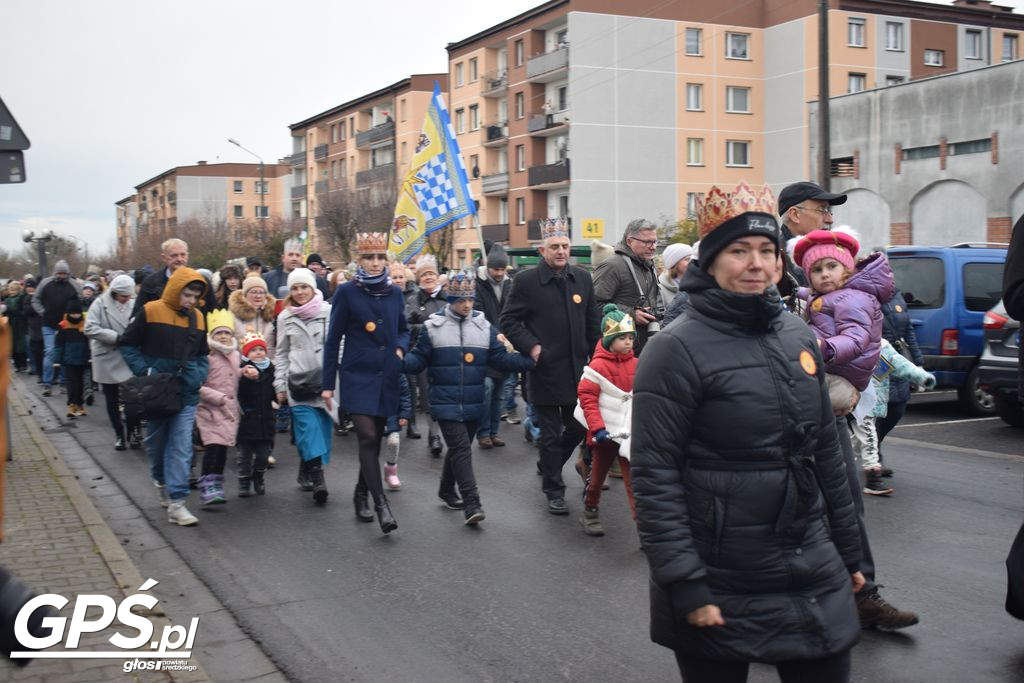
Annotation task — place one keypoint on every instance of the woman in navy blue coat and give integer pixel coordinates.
(369, 312)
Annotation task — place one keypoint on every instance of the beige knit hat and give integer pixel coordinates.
(600, 252)
(252, 282)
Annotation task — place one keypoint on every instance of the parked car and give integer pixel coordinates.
(999, 367)
(948, 291)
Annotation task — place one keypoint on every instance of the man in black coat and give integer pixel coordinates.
(552, 315)
(50, 302)
(174, 254)
(277, 279)
(491, 292)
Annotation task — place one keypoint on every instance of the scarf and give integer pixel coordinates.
(308, 310)
(260, 364)
(226, 349)
(374, 285)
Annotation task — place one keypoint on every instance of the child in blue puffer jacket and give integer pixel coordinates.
(458, 345)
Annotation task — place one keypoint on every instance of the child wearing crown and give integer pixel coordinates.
(256, 427)
(605, 393)
(217, 414)
(459, 345)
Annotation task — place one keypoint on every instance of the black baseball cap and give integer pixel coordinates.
(792, 195)
(252, 261)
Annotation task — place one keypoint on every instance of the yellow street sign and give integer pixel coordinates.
(593, 228)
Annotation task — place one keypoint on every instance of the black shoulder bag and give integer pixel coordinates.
(157, 394)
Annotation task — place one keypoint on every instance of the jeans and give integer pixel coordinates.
(491, 419)
(252, 456)
(169, 444)
(49, 339)
(458, 461)
(508, 392)
(111, 392)
(560, 434)
(832, 669)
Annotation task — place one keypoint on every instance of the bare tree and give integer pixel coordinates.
(344, 210)
(441, 244)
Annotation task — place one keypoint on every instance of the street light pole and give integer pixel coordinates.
(263, 185)
(41, 240)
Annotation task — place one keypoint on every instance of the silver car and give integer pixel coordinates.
(999, 365)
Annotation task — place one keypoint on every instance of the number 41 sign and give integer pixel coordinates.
(593, 228)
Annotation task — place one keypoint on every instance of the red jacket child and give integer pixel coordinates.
(619, 369)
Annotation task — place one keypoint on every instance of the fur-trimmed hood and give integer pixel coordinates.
(244, 312)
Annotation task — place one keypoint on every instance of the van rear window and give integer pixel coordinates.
(983, 285)
(922, 280)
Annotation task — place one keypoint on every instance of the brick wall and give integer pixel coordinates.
(998, 229)
(899, 233)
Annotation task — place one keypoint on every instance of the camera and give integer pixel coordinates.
(654, 326)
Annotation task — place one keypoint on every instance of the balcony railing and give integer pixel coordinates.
(497, 132)
(374, 175)
(495, 233)
(495, 83)
(495, 183)
(547, 64)
(380, 132)
(549, 173)
(539, 122)
(320, 151)
(172, 198)
(298, 159)
(299, 191)
(320, 186)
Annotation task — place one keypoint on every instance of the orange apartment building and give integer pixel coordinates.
(347, 161)
(210, 193)
(605, 111)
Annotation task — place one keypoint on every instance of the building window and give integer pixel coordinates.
(520, 210)
(520, 157)
(474, 117)
(238, 187)
(694, 42)
(691, 203)
(343, 169)
(737, 100)
(261, 211)
(460, 121)
(894, 36)
(519, 53)
(503, 210)
(472, 70)
(1009, 47)
(405, 153)
(972, 44)
(694, 97)
(256, 187)
(458, 74)
(402, 110)
(341, 131)
(855, 32)
(894, 80)
(737, 45)
(520, 105)
(856, 83)
(934, 57)
(563, 97)
(238, 211)
(334, 133)
(737, 153)
(474, 165)
(969, 147)
(352, 127)
(695, 151)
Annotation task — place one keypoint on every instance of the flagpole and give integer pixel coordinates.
(480, 236)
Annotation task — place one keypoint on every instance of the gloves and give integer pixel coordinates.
(602, 436)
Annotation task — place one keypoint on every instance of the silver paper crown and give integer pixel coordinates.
(462, 285)
(554, 227)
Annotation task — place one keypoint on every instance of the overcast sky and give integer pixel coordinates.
(112, 92)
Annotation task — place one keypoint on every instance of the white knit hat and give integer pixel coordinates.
(123, 284)
(600, 252)
(301, 276)
(674, 253)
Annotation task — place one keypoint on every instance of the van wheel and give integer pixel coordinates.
(1009, 410)
(974, 398)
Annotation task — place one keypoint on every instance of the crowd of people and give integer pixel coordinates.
(741, 387)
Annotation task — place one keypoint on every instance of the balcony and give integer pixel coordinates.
(298, 159)
(375, 175)
(495, 233)
(320, 152)
(546, 125)
(496, 183)
(495, 83)
(299, 191)
(320, 186)
(383, 131)
(549, 174)
(549, 66)
(172, 198)
(497, 135)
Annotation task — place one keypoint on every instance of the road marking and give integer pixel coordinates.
(954, 449)
(947, 422)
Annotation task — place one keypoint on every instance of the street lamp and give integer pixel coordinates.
(85, 248)
(263, 187)
(40, 240)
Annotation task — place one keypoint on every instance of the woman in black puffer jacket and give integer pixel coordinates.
(743, 505)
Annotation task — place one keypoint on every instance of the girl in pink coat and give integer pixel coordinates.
(218, 414)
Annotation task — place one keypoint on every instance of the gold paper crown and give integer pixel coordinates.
(462, 285)
(718, 206)
(613, 327)
(220, 317)
(554, 227)
(371, 242)
(250, 339)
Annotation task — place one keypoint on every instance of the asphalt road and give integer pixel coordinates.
(938, 418)
(528, 597)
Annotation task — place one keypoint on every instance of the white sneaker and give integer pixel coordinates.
(177, 513)
(271, 461)
(161, 493)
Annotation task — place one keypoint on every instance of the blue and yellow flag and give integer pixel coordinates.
(436, 190)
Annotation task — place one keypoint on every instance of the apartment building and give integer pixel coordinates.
(605, 111)
(347, 161)
(209, 193)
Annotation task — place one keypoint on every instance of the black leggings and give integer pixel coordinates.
(214, 457)
(369, 431)
(112, 397)
(833, 669)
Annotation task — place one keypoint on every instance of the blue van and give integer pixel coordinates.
(948, 291)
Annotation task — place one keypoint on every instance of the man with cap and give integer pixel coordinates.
(291, 258)
(253, 266)
(492, 287)
(50, 301)
(317, 265)
(629, 281)
(803, 208)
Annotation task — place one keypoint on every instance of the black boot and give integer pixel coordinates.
(384, 516)
(412, 432)
(257, 482)
(119, 445)
(361, 500)
(305, 483)
(435, 445)
(135, 438)
(316, 474)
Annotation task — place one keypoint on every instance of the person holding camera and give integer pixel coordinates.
(629, 281)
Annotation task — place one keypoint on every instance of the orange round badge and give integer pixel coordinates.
(577, 298)
(899, 309)
(371, 326)
(807, 362)
(816, 306)
(468, 357)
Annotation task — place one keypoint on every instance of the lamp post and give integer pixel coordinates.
(40, 240)
(85, 247)
(263, 186)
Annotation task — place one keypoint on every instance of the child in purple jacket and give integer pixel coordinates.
(844, 307)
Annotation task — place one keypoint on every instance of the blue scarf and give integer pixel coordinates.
(260, 364)
(374, 285)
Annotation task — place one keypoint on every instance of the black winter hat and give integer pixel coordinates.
(74, 306)
(497, 258)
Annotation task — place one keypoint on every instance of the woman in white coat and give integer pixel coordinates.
(107, 318)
